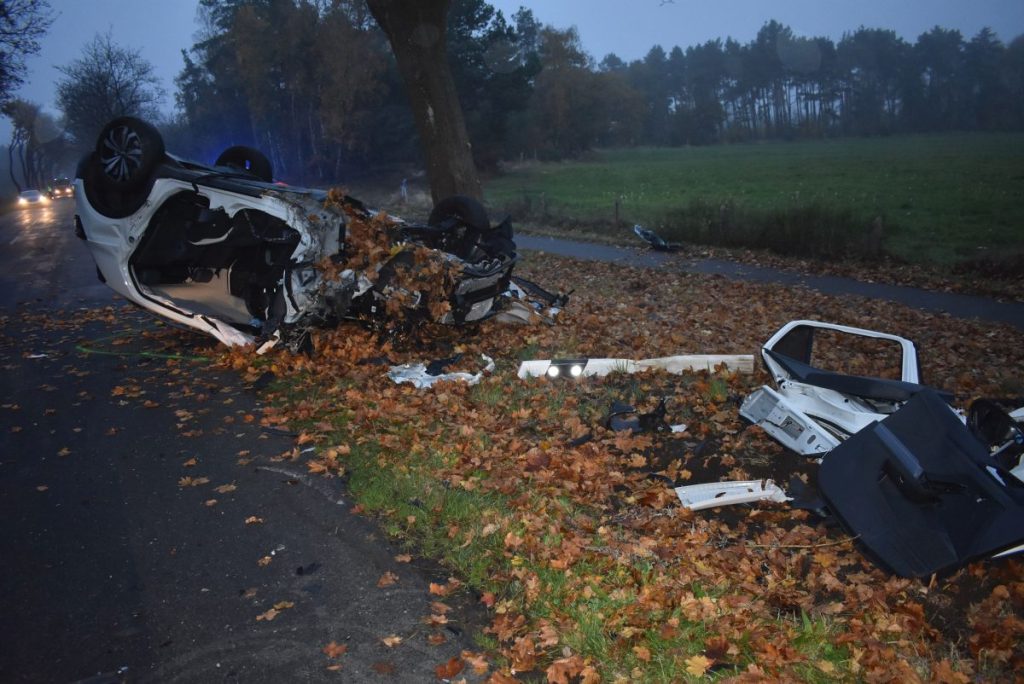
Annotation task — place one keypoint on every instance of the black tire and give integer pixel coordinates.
(247, 160)
(466, 209)
(127, 151)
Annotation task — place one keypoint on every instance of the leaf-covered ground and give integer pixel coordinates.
(578, 547)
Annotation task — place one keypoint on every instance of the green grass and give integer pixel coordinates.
(465, 527)
(941, 198)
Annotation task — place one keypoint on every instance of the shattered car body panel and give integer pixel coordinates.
(812, 410)
(227, 252)
(922, 492)
(925, 487)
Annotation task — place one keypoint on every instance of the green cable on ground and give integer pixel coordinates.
(83, 349)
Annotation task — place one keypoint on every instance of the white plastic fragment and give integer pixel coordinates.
(416, 374)
(1010, 552)
(741, 363)
(713, 494)
(681, 427)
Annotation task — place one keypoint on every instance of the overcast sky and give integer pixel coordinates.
(629, 28)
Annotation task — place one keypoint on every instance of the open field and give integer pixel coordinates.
(941, 199)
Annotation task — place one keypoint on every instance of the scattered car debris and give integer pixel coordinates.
(576, 368)
(644, 422)
(222, 249)
(924, 487)
(813, 410)
(698, 497)
(529, 303)
(420, 375)
(656, 242)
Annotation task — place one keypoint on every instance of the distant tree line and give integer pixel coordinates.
(313, 84)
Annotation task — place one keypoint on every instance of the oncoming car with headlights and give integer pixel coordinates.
(32, 198)
(61, 188)
(223, 249)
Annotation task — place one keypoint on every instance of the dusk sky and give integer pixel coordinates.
(161, 28)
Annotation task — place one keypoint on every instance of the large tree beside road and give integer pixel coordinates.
(417, 31)
(22, 24)
(107, 81)
(37, 148)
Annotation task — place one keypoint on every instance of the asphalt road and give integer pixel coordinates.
(112, 567)
(957, 305)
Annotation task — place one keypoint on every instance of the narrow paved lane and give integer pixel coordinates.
(149, 521)
(960, 306)
(41, 262)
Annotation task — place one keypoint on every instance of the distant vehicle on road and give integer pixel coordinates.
(61, 188)
(29, 198)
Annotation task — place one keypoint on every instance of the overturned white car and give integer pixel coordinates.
(223, 249)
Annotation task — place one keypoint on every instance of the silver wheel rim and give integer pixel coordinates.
(122, 153)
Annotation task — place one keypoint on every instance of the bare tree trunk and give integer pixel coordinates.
(24, 165)
(416, 30)
(10, 166)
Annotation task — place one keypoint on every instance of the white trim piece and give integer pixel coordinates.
(741, 363)
(1010, 552)
(714, 494)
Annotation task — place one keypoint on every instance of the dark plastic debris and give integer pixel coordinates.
(534, 290)
(264, 381)
(656, 242)
(438, 367)
(806, 498)
(922, 492)
(646, 422)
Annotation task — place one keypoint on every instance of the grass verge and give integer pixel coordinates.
(565, 588)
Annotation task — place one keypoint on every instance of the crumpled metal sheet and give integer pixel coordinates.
(417, 375)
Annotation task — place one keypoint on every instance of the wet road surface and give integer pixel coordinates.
(121, 561)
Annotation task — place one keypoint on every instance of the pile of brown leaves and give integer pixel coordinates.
(589, 535)
(416, 279)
